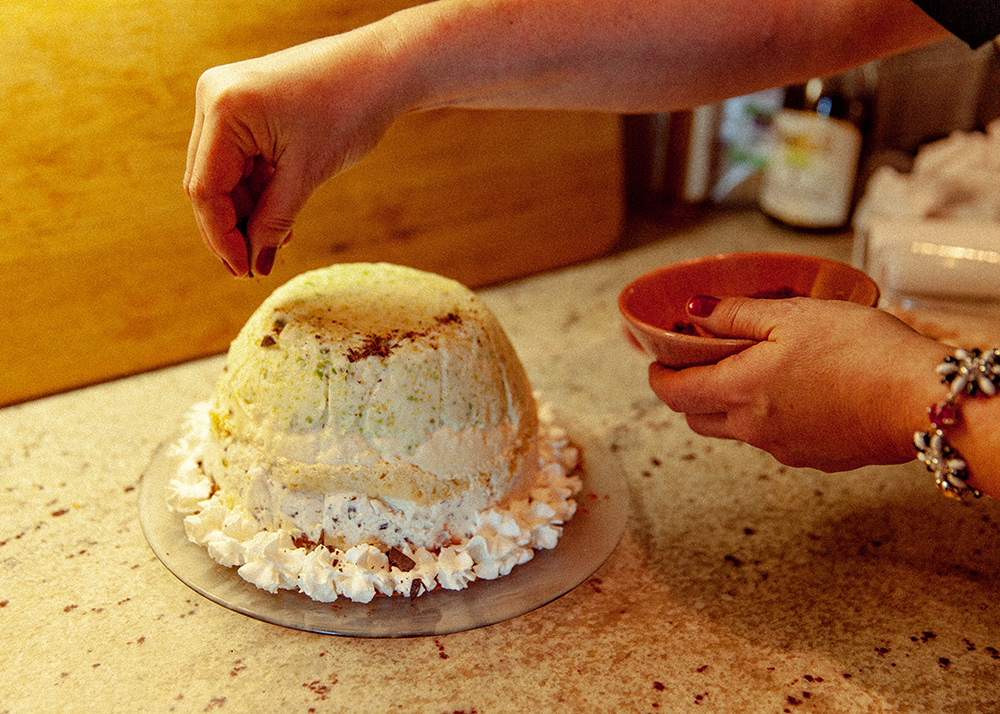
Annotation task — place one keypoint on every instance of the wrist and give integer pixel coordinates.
(406, 74)
(916, 386)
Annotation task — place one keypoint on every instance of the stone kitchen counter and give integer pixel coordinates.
(740, 585)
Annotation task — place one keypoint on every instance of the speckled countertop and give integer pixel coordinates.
(739, 586)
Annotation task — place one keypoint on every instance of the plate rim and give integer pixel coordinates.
(602, 502)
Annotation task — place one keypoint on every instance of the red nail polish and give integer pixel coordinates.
(230, 268)
(702, 305)
(265, 260)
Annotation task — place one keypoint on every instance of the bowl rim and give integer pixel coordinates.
(721, 257)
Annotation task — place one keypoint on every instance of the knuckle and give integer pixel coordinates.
(196, 189)
(277, 225)
(737, 313)
(221, 91)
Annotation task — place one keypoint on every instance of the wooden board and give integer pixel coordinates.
(103, 271)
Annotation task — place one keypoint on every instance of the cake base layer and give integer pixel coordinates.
(498, 539)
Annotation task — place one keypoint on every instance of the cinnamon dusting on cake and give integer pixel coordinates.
(449, 318)
(382, 345)
(374, 346)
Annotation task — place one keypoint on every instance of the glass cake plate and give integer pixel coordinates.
(587, 541)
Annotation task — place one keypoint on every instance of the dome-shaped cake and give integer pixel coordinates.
(372, 409)
(378, 381)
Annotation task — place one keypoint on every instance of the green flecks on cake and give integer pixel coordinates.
(384, 351)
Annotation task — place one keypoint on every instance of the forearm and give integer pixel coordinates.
(634, 55)
(269, 131)
(978, 441)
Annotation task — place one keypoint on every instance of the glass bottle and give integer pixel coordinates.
(809, 178)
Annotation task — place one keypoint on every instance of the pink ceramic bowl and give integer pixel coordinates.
(654, 304)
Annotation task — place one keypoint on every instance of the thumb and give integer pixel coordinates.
(270, 224)
(736, 317)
